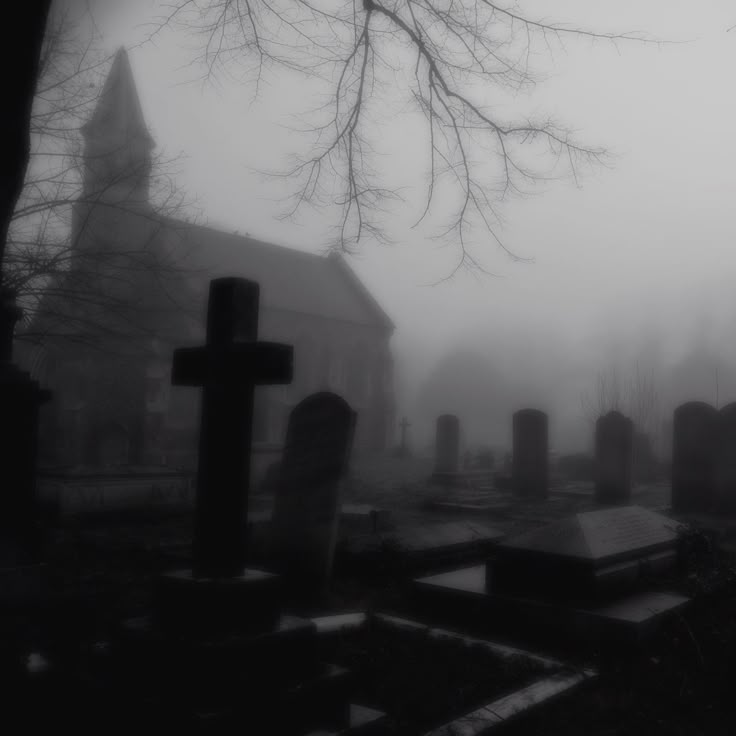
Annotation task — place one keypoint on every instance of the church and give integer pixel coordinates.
(113, 403)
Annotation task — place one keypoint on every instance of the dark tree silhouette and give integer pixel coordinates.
(28, 21)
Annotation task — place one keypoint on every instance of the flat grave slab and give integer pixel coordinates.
(627, 620)
(601, 537)
(422, 546)
(587, 555)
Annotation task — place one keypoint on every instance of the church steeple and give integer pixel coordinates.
(117, 142)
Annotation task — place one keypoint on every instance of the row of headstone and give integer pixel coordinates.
(614, 435)
(704, 458)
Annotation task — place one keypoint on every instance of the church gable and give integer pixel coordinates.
(290, 280)
(316, 303)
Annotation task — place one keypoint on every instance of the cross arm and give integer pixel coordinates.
(257, 363)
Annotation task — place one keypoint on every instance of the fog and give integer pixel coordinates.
(629, 266)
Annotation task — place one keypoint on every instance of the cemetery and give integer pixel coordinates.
(330, 606)
(245, 538)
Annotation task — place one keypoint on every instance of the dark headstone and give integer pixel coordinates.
(319, 439)
(447, 447)
(404, 446)
(693, 444)
(20, 400)
(530, 461)
(227, 368)
(725, 459)
(613, 454)
(588, 555)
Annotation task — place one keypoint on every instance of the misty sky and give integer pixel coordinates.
(635, 263)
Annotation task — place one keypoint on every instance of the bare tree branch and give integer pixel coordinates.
(452, 60)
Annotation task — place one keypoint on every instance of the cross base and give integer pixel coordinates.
(205, 607)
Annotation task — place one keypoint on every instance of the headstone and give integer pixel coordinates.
(725, 459)
(20, 400)
(447, 448)
(613, 453)
(693, 445)
(227, 368)
(530, 460)
(588, 555)
(404, 446)
(319, 439)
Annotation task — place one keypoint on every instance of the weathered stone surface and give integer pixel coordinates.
(306, 510)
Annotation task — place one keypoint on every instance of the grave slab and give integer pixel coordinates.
(419, 548)
(627, 620)
(587, 555)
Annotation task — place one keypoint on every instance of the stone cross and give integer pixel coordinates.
(227, 368)
(404, 426)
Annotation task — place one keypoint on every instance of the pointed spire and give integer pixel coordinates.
(118, 115)
(118, 145)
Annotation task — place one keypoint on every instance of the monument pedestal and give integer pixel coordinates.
(219, 655)
(586, 578)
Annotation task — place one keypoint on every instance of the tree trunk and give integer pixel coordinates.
(20, 52)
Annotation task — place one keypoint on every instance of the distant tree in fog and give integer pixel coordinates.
(457, 62)
(634, 393)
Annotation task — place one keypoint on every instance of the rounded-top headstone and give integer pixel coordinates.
(614, 440)
(725, 459)
(304, 524)
(447, 448)
(530, 456)
(693, 454)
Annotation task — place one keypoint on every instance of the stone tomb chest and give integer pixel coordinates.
(590, 555)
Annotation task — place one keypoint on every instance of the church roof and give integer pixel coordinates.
(289, 279)
(118, 114)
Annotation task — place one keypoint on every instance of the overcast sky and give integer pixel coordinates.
(636, 256)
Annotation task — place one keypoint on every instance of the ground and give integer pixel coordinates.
(681, 683)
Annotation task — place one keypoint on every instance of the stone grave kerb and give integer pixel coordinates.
(227, 368)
